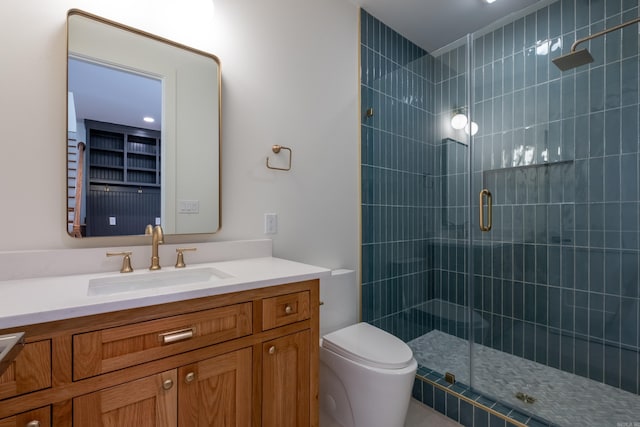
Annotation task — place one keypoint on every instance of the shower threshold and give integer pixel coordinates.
(560, 397)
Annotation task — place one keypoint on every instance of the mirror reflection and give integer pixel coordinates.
(143, 132)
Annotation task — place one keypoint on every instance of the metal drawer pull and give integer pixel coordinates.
(288, 309)
(175, 336)
(34, 423)
(272, 349)
(190, 377)
(167, 384)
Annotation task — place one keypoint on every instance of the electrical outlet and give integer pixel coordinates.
(270, 223)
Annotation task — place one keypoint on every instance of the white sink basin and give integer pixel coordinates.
(154, 279)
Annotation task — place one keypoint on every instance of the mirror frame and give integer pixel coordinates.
(135, 31)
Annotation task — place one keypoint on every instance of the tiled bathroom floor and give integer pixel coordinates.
(561, 397)
(418, 415)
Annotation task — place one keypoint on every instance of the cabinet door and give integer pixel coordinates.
(148, 402)
(30, 371)
(36, 418)
(216, 392)
(286, 381)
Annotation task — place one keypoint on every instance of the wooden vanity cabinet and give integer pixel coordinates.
(246, 359)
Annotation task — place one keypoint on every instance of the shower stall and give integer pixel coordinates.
(504, 248)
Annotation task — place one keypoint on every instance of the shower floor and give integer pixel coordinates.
(561, 398)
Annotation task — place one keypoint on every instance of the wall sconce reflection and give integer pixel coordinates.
(471, 127)
(460, 121)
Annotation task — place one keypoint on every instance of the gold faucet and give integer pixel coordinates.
(157, 238)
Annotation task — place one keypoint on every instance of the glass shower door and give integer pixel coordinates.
(554, 271)
(444, 346)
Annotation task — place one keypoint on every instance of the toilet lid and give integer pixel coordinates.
(370, 346)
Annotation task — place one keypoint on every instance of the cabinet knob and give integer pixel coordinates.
(272, 349)
(288, 309)
(167, 384)
(34, 423)
(190, 377)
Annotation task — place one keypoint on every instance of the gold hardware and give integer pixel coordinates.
(34, 423)
(369, 112)
(450, 378)
(583, 57)
(126, 261)
(525, 397)
(175, 336)
(180, 260)
(288, 309)
(157, 238)
(486, 193)
(167, 384)
(276, 149)
(190, 377)
(272, 349)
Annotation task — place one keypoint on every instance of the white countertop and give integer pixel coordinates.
(45, 299)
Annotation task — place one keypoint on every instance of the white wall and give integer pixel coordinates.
(290, 77)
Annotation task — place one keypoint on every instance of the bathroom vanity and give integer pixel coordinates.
(242, 352)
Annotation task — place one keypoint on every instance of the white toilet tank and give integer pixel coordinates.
(339, 294)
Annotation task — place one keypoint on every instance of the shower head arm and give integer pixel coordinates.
(603, 32)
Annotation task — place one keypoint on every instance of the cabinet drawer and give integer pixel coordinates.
(41, 415)
(110, 349)
(30, 371)
(285, 309)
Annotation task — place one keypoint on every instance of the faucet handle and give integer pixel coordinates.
(126, 260)
(148, 230)
(180, 261)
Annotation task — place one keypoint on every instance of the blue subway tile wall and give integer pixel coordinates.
(400, 242)
(397, 161)
(557, 278)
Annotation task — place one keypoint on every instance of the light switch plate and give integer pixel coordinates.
(189, 206)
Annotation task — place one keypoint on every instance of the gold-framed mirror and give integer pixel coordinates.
(143, 132)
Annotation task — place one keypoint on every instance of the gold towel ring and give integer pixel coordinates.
(276, 149)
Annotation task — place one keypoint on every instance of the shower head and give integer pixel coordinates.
(577, 58)
(573, 60)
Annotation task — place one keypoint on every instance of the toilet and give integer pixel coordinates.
(366, 374)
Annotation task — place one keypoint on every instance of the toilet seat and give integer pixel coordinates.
(370, 346)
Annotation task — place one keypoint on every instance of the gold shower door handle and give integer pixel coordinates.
(486, 193)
